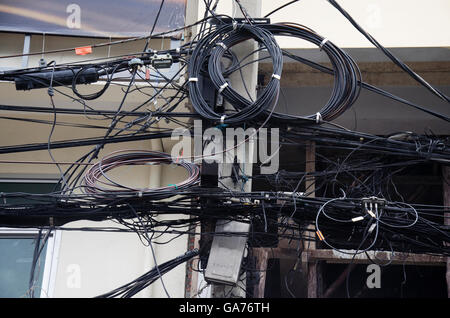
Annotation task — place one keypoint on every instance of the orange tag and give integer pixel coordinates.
(83, 50)
(147, 73)
(320, 235)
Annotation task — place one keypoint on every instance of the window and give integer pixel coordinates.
(19, 250)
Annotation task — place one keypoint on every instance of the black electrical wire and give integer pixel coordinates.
(389, 54)
(346, 73)
(210, 50)
(132, 288)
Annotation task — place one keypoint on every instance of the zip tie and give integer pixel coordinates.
(222, 45)
(222, 119)
(193, 79)
(372, 227)
(173, 185)
(177, 50)
(318, 117)
(323, 43)
(222, 87)
(357, 219)
(371, 214)
(278, 77)
(140, 194)
(235, 24)
(320, 235)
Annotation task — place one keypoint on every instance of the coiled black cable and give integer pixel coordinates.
(210, 50)
(104, 70)
(347, 76)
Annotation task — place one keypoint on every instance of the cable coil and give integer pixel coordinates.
(99, 184)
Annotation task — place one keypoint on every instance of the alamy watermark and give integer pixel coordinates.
(374, 279)
(228, 145)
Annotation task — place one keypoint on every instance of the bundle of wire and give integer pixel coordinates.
(347, 75)
(97, 183)
(142, 282)
(211, 49)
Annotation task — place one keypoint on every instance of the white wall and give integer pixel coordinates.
(394, 23)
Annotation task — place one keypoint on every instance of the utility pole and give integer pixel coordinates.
(227, 252)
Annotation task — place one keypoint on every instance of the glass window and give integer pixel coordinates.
(15, 266)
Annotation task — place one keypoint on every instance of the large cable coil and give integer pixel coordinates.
(98, 183)
(211, 49)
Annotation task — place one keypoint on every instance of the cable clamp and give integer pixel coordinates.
(371, 203)
(222, 87)
(193, 79)
(222, 45)
(135, 61)
(278, 77)
(324, 41)
(318, 117)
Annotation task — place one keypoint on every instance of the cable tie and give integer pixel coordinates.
(325, 40)
(177, 50)
(235, 25)
(222, 45)
(222, 119)
(173, 185)
(193, 79)
(140, 194)
(372, 227)
(278, 77)
(222, 87)
(357, 219)
(318, 117)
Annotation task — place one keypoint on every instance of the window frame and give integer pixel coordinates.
(53, 242)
